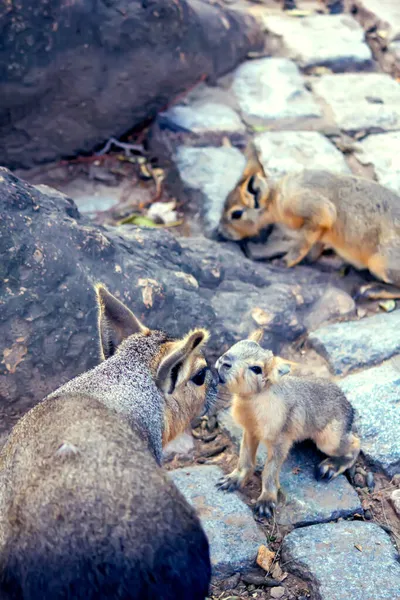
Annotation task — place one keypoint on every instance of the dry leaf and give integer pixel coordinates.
(358, 547)
(265, 558)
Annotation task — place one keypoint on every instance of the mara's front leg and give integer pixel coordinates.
(301, 248)
(268, 498)
(245, 468)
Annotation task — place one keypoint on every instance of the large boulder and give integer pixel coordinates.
(75, 73)
(52, 256)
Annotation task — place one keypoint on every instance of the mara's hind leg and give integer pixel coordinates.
(385, 265)
(342, 449)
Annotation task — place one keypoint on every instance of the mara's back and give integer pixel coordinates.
(86, 513)
(353, 195)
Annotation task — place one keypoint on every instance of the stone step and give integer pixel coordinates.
(283, 152)
(357, 344)
(375, 394)
(334, 41)
(229, 524)
(361, 101)
(272, 90)
(349, 560)
(307, 501)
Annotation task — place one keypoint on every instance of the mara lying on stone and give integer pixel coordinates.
(279, 410)
(85, 510)
(356, 217)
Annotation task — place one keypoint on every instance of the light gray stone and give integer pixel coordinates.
(229, 524)
(356, 344)
(335, 41)
(383, 152)
(284, 152)
(365, 101)
(349, 560)
(307, 501)
(209, 175)
(272, 89)
(375, 394)
(205, 117)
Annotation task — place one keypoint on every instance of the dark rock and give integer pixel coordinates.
(52, 256)
(75, 74)
(359, 480)
(350, 559)
(231, 582)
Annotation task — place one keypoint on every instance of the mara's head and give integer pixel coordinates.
(177, 366)
(246, 369)
(246, 207)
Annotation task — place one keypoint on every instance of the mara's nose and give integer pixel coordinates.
(223, 364)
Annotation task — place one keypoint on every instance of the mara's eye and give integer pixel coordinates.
(256, 370)
(236, 214)
(200, 377)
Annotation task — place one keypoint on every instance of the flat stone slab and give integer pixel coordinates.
(356, 344)
(307, 500)
(383, 152)
(205, 117)
(272, 89)
(375, 394)
(349, 560)
(229, 524)
(365, 101)
(209, 174)
(335, 41)
(284, 152)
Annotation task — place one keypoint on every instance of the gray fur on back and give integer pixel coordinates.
(124, 383)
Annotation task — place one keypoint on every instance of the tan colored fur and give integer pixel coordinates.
(356, 217)
(279, 410)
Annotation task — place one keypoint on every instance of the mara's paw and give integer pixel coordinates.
(265, 508)
(229, 483)
(326, 471)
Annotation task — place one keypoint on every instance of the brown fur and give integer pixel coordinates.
(85, 510)
(356, 217)
(279, 410)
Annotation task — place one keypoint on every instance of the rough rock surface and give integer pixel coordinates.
(67, 88)
(284, 152)
(344, 560)
(382, 151)
(385, 14)
(231, 530)
(375, 394)
(335, 41)
(51, 257)
(272, 89)
(356, 344)
(307, 501)
(368, 101)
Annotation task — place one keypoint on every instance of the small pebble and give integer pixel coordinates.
(277, 592)
(395, 499)
(370, 480)
(359, 480)
(367, 514)
(231, 582)
(361, 471)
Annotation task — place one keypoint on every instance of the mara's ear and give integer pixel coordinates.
(256, 336)
(253, 164)
(178, 352)
(116, 322)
